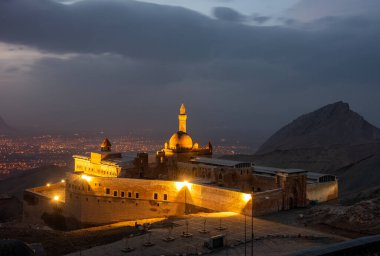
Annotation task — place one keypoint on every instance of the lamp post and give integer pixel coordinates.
(185, 202)
(245, 235)
(252, 223)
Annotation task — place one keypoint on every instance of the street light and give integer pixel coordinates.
(252, 223)
(86, 177)
(56, 199)
(245, 197)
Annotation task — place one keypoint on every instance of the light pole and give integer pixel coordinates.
(245, 234)
(252, 223)
(185, 202)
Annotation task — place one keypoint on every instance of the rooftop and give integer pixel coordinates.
(219, 162)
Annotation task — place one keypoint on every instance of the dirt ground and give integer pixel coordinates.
(61, 242)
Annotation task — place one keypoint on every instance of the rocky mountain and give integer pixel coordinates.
(5, 129)
(334, 124)
(333, 139)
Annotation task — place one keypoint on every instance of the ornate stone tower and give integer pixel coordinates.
(105, 146)
(182, 119)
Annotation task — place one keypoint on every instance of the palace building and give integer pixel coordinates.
(107, 186)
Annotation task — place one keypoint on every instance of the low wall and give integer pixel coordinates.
(322, 192)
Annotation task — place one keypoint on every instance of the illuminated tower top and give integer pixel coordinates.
(105, 146)
(182, 118)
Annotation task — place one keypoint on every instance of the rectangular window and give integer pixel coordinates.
(129, 194)
(165, 197)
(122, 193)
(155, 196)
(137, 195)
(108, 191)
(115, 193)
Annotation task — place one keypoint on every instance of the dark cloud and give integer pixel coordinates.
(135, 63)
(260, 19)
(228, 14)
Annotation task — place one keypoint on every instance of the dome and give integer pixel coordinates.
(182, 139)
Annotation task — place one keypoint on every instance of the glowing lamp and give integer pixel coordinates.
(180, 185)
(56, 198)
(63, 181)
(48, 184)
(86, 177)
(247, 197)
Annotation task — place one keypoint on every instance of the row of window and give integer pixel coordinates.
(80, 167)
(136, 194)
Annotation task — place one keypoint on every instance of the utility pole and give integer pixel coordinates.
(185, 202)
(252, 224)
(245, 234)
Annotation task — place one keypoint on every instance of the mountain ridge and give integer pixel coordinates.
(333, 124)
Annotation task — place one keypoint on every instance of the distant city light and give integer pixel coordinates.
(48, 184)
(63, 181)
(179, 185)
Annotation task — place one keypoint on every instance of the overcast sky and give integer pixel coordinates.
(243, 68)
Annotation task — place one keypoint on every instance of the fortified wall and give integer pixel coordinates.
(104, 200)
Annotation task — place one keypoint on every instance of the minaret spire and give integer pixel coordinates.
(182, 118)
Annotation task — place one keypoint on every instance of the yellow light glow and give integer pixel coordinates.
(247, 197)
(56, 198)
(86, 177)
(63, 181)
(179, 185)
(48, 184)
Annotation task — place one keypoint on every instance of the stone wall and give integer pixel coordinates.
(322, 192)
(262, 183)
(100, 200)
(88, 201)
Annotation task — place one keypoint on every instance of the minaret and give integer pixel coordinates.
(182, 119)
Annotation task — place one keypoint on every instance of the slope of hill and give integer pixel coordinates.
(5, 129)
(334, 124)
(31, 178)
(333, 139)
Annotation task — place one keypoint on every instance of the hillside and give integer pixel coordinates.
(334, 124)
(31, 178)
(5, 129)
(333, 139)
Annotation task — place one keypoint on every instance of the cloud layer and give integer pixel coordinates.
(128, 65)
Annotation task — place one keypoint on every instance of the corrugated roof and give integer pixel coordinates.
(273, 170)
(217, 162)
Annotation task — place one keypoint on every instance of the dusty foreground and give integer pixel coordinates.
(270, 238)
(61, 243)
(362, 218)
